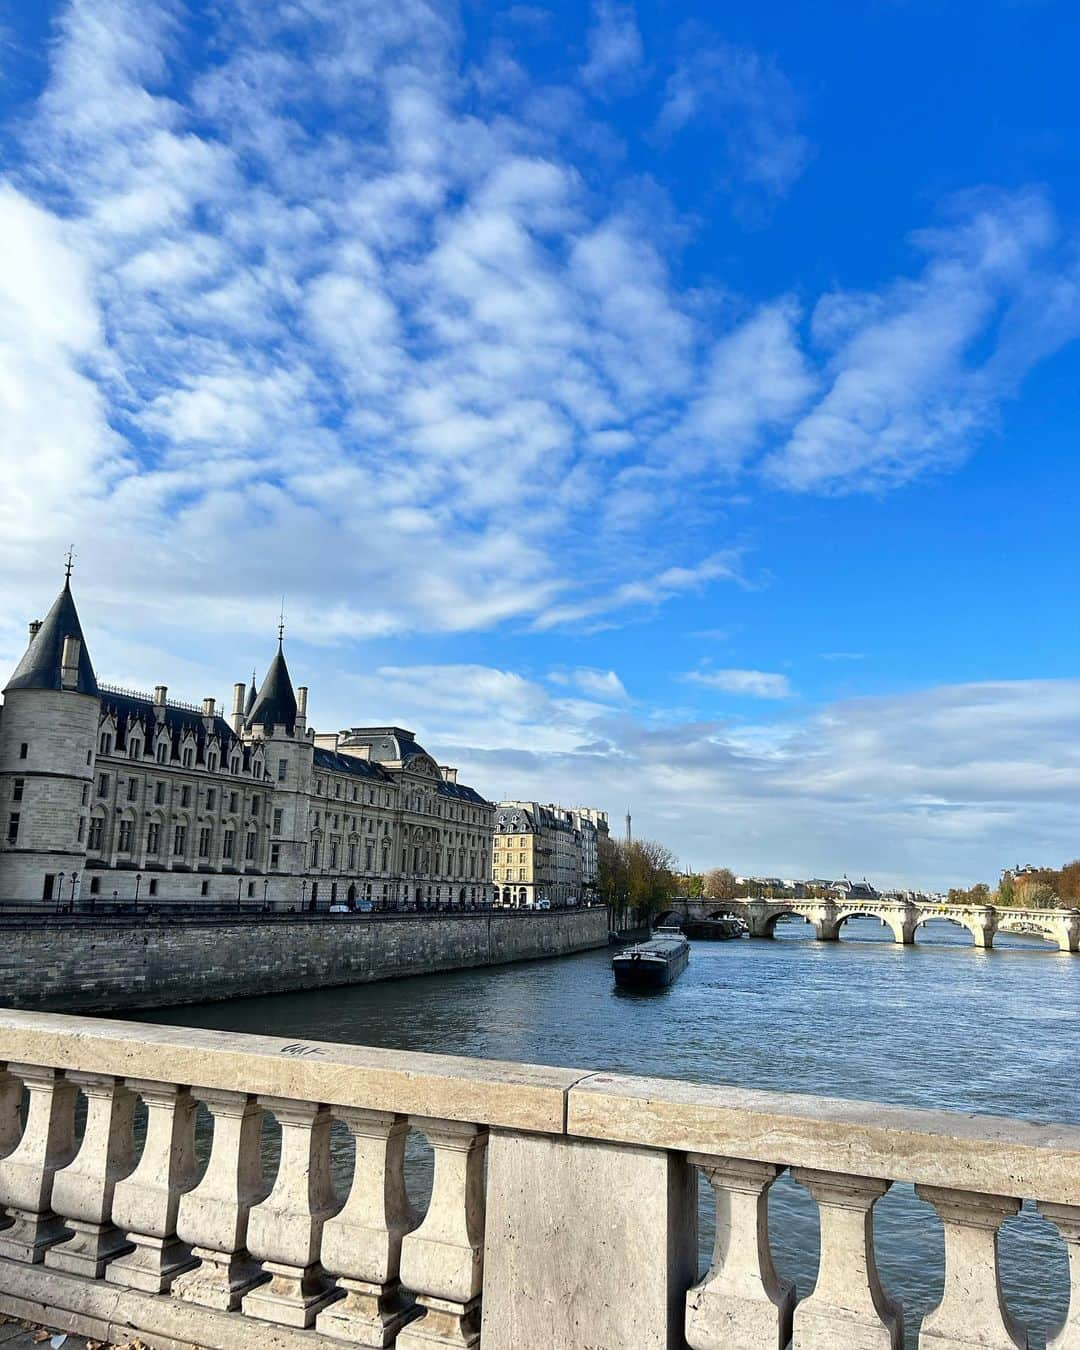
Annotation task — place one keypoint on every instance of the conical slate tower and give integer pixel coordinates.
(275, 705)
(40, 667)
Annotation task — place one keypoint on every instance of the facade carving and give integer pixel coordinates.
(112, 793)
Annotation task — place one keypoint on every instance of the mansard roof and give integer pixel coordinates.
(131, 709)
(389, 745)
(461, 793)
(333, 762)
(276, 703)
(41, 663)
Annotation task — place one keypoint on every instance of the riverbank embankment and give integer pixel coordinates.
(108, 964)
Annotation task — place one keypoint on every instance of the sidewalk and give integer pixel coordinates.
(21, 1336)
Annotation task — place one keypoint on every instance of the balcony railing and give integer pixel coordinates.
(582, 1233)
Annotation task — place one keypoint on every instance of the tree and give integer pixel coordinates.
(695, 885)
(720, 883)
(636, 880)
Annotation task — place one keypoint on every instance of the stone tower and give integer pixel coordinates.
(48, 735)
(278, 717)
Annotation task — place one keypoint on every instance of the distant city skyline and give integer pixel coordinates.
(653, 407)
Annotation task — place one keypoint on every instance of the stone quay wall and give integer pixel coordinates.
(99, 965)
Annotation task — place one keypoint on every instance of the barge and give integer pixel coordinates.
(651, 965)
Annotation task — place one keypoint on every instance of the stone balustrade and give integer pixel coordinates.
(563, 1209)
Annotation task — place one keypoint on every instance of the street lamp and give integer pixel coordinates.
(74, 879)
(138, 883)
(266, 887)
(59, 892)
(239, 888)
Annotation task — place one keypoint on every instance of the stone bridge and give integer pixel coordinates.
(901, 917)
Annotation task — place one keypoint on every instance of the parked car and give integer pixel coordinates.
(543, 904)
(339, 909)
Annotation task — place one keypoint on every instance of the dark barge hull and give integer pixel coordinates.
(641, 968)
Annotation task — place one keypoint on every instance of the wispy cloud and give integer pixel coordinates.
(604, 685)
(748, 683)
(616, 52)
(744, 98)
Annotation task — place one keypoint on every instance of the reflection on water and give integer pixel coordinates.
(939, 1024)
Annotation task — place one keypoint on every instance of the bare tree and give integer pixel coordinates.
(720, 883)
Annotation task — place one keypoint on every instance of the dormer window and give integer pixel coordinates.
(188, 758)
(234, 764)
(134, 749)
(105, 744)
(212, 763)
(163, 752)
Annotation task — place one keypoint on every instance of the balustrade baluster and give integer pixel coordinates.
(443, 1259)
(742, 1304)
(972, 1310)
(145, 1204)
(83, 1191)
(285, 1230)
(213, 1218)
(1067, 1220)
(362, 1244)
(10, 1124)
(848, 1306)
(26, 1175)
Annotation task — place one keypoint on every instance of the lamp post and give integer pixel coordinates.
(74, 879)
(239, 888)
(266, 887)
(59, 891)
(138, 883)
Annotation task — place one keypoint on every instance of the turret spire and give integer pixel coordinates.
(42, 664)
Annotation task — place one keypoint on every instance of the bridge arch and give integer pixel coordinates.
(668, 916)
(1049, 930)
(844, 915)
(768, 922)
(979, 936)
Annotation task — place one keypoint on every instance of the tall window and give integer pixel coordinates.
(179, 839)
(204, 842)
(256, 802)
(185, 795)
(188, 758)
(162, 752)
(24, 750)
(93, 842)
(134, 749)
(227, 844)
(17, 790)
(133, 789)
(234, 800)
(282, 769)
(352, 856)
(153, 838)
(275, 857)
(277, 821)
(211, 797)
(249, 848)
(105, 744)
(123, 841)
(103, 785)
(13, 828)
(333, 854)
(159, 793)
(314, 853)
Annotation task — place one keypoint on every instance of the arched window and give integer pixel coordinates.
(162, 751)
(212, 762)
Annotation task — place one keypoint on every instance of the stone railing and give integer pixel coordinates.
(583, 1233)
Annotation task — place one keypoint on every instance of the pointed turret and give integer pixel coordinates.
(42, 665)
(275, 705)
(252, 695)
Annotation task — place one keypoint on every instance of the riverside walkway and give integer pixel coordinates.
(902, 917)
(583, 1234)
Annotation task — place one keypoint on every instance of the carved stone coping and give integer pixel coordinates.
(514, 1096)
(993, 1155)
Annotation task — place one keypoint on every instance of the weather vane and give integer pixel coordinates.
(69, 562)
(281, 622)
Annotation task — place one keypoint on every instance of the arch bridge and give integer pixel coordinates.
(901, 917)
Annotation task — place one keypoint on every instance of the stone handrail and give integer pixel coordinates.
(585, 1234)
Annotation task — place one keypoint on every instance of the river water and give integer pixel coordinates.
(939, 1024)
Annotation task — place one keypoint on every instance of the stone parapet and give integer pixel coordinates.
(583, 1234)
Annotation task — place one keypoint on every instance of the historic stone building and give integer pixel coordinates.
(107, 792)
(544, 853)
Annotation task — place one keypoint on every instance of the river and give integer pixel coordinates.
(939, 1024)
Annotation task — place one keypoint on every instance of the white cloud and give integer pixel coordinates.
(604, 685)
(616, 52)
(748, 683)
(745, 100)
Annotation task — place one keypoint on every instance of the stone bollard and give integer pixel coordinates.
(83, 1191)
(213, 1218)
(972, 1310)
(26, 1174)
(1067, 1220)
(362, 1244)
(145, 1204)
(848, 1306)
(285, 1231)
(742, 1304)
(443, 1259)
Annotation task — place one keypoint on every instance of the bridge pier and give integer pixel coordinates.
(902, 925)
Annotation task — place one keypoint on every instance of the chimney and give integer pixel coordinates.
(237, 718)
(301, 707)
(35, 625)
(208, 707)
(69, 663)
(160, 690)
(449, 774)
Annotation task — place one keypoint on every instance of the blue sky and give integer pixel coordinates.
(655, 406)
